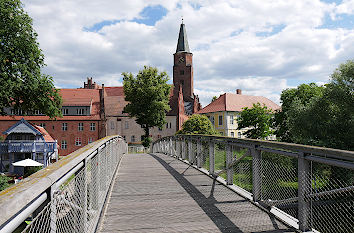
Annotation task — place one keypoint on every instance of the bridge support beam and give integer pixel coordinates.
(303, 190)
(190, 151)
(211, 157)
(229, 170)
(256, 174)
(199, 153)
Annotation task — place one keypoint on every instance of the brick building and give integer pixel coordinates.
(81, 122)
(95, 111)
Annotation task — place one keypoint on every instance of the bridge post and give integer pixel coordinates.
(303, 190)
(256, 173)
(211, 157)
(184, 148)
(53, 209)
(229, 170)
(199, 153)
(171, 147)
(190, 148)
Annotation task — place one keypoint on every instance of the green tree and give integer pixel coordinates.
(289, 99)
(258, 119)
(4, 182)
(198, 124)
(328, 119)
(148, 96)
(22, 85)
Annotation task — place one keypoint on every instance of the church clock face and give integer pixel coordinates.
(181, 59)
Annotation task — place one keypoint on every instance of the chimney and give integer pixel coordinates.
(239, 91)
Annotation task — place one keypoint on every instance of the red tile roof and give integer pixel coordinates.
(114, 91)
(44, 133)
(79, 97)
(71, 97)
(236, 103)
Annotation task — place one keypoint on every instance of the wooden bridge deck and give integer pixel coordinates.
(157, 193)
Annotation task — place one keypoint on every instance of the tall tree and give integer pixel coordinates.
(327, 120)
(258, 120)
(22, 85)
(198, 124)
(148, 96)
(300, 95)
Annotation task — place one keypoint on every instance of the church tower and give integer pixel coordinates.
(183, 65)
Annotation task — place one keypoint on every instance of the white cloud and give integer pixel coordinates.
(259, 46)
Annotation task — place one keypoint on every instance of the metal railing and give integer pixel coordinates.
(310, 188)
(67, 196)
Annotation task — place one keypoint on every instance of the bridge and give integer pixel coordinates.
(188, 183)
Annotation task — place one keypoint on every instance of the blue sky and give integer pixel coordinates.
(259, 46)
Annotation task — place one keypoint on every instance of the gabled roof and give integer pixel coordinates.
(22, 126)
(79, 97)
(114, 91)
(45, 135)
(182, 44)
(236, 103)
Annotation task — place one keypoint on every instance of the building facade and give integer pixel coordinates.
(26, 141)
(81, 124)
(95, 111)
(225, 110)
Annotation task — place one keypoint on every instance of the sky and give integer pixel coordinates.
(259, 46)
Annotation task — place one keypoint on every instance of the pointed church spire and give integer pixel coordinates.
(182, 44)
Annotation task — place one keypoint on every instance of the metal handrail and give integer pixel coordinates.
(20, 200)
(178, 146)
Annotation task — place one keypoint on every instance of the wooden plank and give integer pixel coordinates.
(157, 193)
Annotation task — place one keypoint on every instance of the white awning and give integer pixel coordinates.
(27, 163)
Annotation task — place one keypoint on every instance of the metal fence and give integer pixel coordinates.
(310, 188)
(67, 196)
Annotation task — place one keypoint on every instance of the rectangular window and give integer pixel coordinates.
(65, 111)
(90, 140)
(166, 125)
(220, 120)
(81, 127)
(232, 134)
(78, 141)
(212, 120)
(64, 126)
(92, 126)
(132, 138)
(64, 144)
(127, 125)
(239, 134)
(80, 111)
(170, 125)
(231, 119)
(42, 125)
(112, 124)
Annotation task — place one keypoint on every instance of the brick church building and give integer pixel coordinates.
(95, 111)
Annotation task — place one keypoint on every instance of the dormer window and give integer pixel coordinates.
(80, 111)
(65, 111)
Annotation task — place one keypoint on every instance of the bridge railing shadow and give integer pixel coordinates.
(309, 188)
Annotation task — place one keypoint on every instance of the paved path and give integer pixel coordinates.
(157, 193)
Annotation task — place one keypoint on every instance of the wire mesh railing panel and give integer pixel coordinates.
(309, 195)
(205, 155)
(279, 182)
(331, 199)
(242, 169)
(76, 205)
(220, 158)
